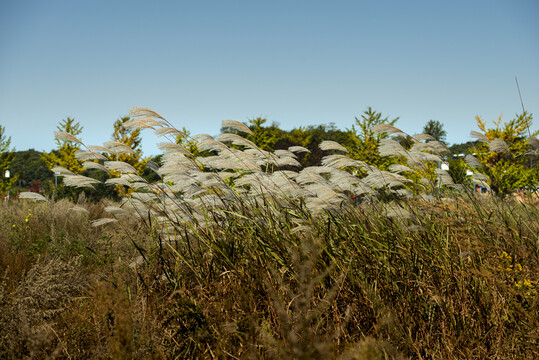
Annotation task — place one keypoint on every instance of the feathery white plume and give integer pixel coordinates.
(61, 170)
(298, 149)
(140, 111)
(386, 128)
(102, 221)
(472, 161)
(236, 125)
(83, 155)
(398, 168)
(498, 145)
(93, 165)
(32, 196)
(282, 153)
(168, 131)
(65, 136)
(423, 137)
(79, 181)
(96, 148)
(533, 141)
(166, 146)
(390, 147)
(119, 147)
(79, 209)
(120, 166)
(341, 161)
(114, 210)
(332, 145)
(237, 140)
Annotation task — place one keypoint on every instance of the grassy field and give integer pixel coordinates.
(238, 252)
(454, 279)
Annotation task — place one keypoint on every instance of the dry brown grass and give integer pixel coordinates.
(354, 285)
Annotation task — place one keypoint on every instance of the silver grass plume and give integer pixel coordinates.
(323, 191)
(168, 131)
(65, 136)
(498, 145)
(397, 212)
(207, 142)
(398, 168)
(143, 122)
(386, 128)
(237, 140)
(145, 197)
(80, 181)
(477, 135)
(116, 211)
(62, 170)
(133, 177)
(262, 154)
(341, 161)
(287, 161)
(119, 148)
(327, 145)
(423, 137)
(379, 179)
(282, 153)
(405, 193)
(533, 142)
(153, 166)
(32, 196)
(120, 166)
(79, 209)
(83, 155)
(413, 157)
(479, 176)
(310, 175)
(444, 178)
(415, 228)
(140, 111)
(93, 165)
(117, 181)
(472, 161)
(389, 147)
(136, 124)
(236, 125)
(422, 147)
(102, 221)
(167, 146)
(298, 149)
(439, 147)
(96, 148)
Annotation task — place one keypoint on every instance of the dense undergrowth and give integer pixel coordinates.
(455, 279)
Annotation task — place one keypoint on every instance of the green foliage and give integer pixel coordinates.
(510, 170)
(64, 155)
(435, 129)
(364, 142)
(265, 137)
(310, 137)
(6, 158)
(187, 142)
(457, 171)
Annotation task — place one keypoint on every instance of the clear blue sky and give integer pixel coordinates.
(294, 62)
